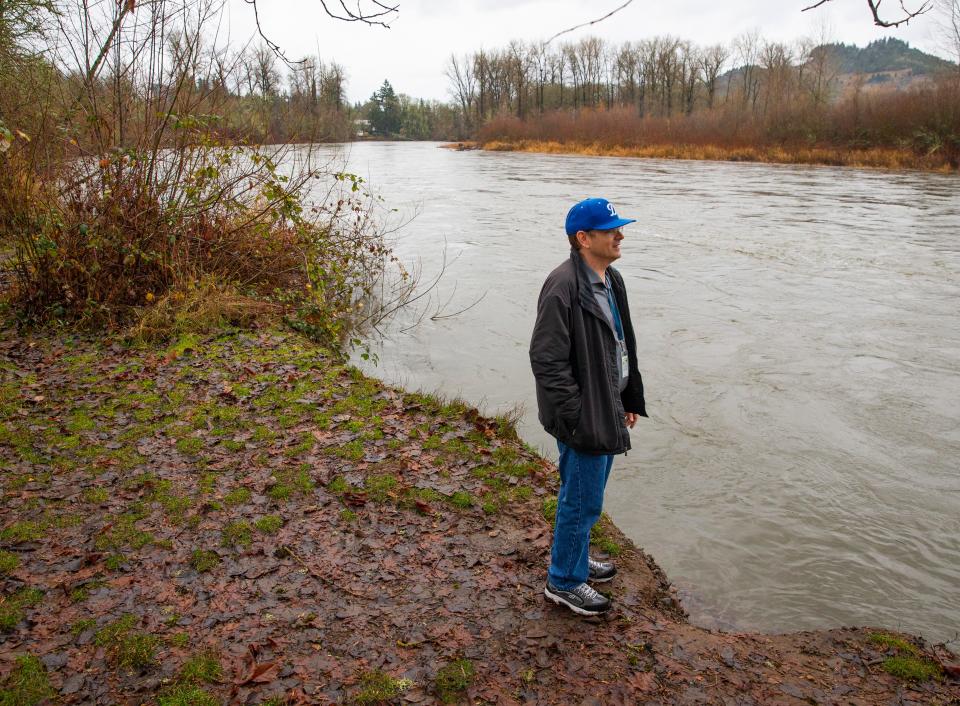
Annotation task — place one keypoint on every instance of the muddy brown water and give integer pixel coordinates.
(799, 336)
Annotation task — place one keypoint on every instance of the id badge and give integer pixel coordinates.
(624, 363)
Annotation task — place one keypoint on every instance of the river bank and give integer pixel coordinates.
(243, 518)
(878, 158)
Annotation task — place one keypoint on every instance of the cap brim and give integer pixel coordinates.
(615, 223)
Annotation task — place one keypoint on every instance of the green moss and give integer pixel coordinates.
(12, 607)
(352, 450)
(461, 499)
(377, 687)
(189, 445)
(380, 487)
(27, 684)
(269, 524)
(263, 433)
(128, 649)
(23, 531)
(338, 486)
(115, 562)
(888, 641)
(453, 679)
(347, 515)
(187, 695)
(280, 492)
(8, 562)
(911, 668)
(237, 534)
(237, 496)
(202, 667)
(124, 534)
(600, 537)
(233, 446)
(179, 639)
(549, 510)
(207, 483)
(80, 421)
(82, 626)
(203, 560)
(95, 495)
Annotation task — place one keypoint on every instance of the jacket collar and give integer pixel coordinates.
(585, 288)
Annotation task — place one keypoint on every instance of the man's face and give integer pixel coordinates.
(604, 244)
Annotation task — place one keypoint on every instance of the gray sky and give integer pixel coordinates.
(413, 52)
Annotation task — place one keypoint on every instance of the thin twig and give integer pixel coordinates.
(593, 22)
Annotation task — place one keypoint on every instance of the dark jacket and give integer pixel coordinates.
(573, 353)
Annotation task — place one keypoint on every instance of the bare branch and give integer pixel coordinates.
(121, 13)
(908, 15)
(377, 17)
(593, 22)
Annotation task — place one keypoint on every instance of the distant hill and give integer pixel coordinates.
(886, 56)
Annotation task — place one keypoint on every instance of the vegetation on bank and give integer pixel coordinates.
(872, 158)
(753, 98)
(125, 205)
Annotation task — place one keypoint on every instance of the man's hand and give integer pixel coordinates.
(631, 419)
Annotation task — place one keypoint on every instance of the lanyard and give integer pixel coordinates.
(617, 323)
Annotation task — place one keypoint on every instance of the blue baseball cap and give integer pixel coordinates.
(594, 214)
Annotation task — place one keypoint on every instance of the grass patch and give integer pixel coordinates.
(127, 648)
(461, 499)
(380, 488)
(95, 495)
(203, 560)
(600, 537)
(189, 445)
(887, 641)
(81, 626)
(202, 667)
(377, 687)
(237, 534)
(179, 639)
(27, 684)
(237, 496)
(347, 516)
(124, 534)
(23, 531)
(269, 524)
(187, 695)
(911, 668)
(263, 433)
(908, 664)
(8, 562)
(280, 492)
(12, 607)
(453, 679)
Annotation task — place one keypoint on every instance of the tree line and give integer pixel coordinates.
(751, 89)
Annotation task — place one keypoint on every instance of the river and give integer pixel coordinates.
(799, 336)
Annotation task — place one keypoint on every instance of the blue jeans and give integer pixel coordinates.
(583, 478)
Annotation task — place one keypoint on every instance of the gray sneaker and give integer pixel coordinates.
(601, 571)
(582, 600)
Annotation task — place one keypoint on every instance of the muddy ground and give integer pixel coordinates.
(243, 519)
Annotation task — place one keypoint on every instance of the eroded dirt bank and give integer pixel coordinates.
(242, 519)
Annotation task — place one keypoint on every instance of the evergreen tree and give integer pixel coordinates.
(385, 110)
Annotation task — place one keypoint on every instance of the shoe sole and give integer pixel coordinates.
(593, 580)
(579, 611)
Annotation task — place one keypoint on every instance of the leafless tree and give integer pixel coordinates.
(906, 13)
(950, 28)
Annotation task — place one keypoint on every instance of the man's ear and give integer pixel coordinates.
(583, 238)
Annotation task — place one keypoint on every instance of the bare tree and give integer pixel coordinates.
(905, 16)
(950, 28)
(712, 61)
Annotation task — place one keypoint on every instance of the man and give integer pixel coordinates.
(584, 358)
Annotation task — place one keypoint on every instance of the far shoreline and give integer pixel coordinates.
(874, 158)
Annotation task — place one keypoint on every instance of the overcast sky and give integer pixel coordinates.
(413, 52)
